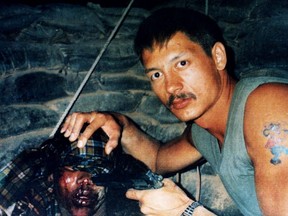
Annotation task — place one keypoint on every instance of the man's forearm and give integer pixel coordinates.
(159, 157)
(137, 143)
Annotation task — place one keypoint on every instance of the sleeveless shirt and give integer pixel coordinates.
(232, 162)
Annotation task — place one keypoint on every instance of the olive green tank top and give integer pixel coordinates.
(232, 163)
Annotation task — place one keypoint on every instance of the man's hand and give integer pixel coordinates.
(95, 120)
(169, 200)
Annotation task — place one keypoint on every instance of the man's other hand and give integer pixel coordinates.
(74, 123)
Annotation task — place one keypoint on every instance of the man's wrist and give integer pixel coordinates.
(121, 119)
(191, 208)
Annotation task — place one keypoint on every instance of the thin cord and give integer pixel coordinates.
(76, 95)
(198, 184)
(206, 6)
(198, 172)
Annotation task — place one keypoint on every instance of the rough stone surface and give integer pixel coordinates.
(46, 51)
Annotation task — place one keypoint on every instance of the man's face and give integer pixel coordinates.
(184, 78)
(78, 194)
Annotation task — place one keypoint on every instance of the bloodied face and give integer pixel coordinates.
(78, 194)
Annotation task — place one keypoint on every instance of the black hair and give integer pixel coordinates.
(159, 27)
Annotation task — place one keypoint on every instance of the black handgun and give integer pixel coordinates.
(141, 181)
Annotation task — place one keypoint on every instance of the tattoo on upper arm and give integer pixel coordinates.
(277, 140)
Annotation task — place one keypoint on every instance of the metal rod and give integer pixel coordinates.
(76, 95)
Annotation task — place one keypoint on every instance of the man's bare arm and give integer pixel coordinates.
(266, 135)
(162, 158)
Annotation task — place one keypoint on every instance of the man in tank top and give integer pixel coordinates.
(241, 128)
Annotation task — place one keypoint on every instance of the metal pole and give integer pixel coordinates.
(76, 95)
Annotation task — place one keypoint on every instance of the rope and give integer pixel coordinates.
(206, 6)
(198, 172)
(76, 95)
(198, 184)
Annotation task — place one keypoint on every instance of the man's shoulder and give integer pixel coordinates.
(267, 102)
(265, 94)
(266, 106)
(256, 91)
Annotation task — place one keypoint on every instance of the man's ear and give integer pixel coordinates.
(219, 55)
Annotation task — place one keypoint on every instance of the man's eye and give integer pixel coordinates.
(182, 64)
(156, 75)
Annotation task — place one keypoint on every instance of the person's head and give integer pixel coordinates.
(77, 193)
(184, 56)
(164, 23)
(75, 189)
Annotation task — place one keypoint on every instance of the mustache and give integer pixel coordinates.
(179, 96)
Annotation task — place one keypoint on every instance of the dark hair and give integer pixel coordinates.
(164, 23)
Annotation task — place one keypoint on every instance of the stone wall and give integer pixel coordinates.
(46, 51)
